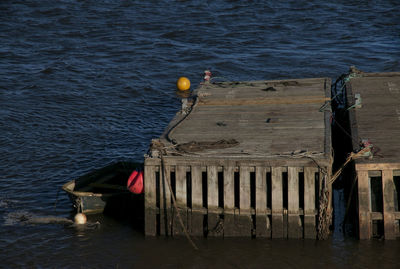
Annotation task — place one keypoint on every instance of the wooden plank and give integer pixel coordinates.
(165, 202)
(294, 221)
(265, 101)
(212, 201)
(377, 166)
(150, 200)
(181, 199)
(309, 203)
(229, 200)
(388, 204)
(245, 220)
(261, 203)
(277, 202)
(197, 202)
(364, 205)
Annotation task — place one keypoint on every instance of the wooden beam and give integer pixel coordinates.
(245, 220)
(277, 202)
(165, 202)
(265, 101)
(212, 201)
(364, 205)
(150, 200)
(388, 204)
(309, 203)
(181, 199)
(197, 202)
(229, 199)
(294, 222)
(262, 227)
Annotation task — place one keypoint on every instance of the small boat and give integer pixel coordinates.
(104, 189)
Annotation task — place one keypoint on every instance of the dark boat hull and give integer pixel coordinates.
(102, 189)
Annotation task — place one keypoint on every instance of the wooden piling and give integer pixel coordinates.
(294, 221)
(229, 200)
(309, 203)
(245, 221)
(277, 202)
(196, 224)
(150, 200)
(181, 199)
(262, 225)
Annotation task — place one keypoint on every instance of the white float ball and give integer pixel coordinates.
(80, 218)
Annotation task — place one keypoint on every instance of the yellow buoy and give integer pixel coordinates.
(183, 84)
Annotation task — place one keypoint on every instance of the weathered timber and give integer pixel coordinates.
(150, 200)
(294, 221)
(244, 145)
(376, 120)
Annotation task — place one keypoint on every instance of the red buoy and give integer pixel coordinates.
(135, 182)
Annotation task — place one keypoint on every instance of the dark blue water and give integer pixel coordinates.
(85, 83)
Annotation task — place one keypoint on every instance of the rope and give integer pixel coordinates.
(351, 157)
(174, 203)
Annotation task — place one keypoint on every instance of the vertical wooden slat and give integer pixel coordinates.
(277, 202)
(363, 205)
(309, 203)
(181, 199)
(261, 202)
(197, 202)
(388, 204)
(165, 201)
(229, 200)
(150, 200)
(245, 220)
(212, 200)
(294, 222)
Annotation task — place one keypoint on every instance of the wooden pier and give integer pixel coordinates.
(242, 159)
(374, 108)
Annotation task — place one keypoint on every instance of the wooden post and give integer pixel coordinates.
(364, 205)
(212, 201)
(245, 220)
(150, 200)
(294, 222)
(181, 199)
(261, 203)
(229, 200)
(309, 203)
(197, 202)
(277, 202)
(165, 201)
(388, 203)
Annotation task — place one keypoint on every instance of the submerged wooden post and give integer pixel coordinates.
(262, 223)
(150, 200)
(309, 203)
(181, 199)
(364, 205)
(294, 221)
(388, 203)
(197, 202)
(165, 201)
(277, 202)
(229, 200)
(212, 201)
(245, 221)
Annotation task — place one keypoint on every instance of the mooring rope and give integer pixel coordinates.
(174, 203)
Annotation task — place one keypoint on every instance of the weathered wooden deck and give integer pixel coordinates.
(249, 159)
(377, 121)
